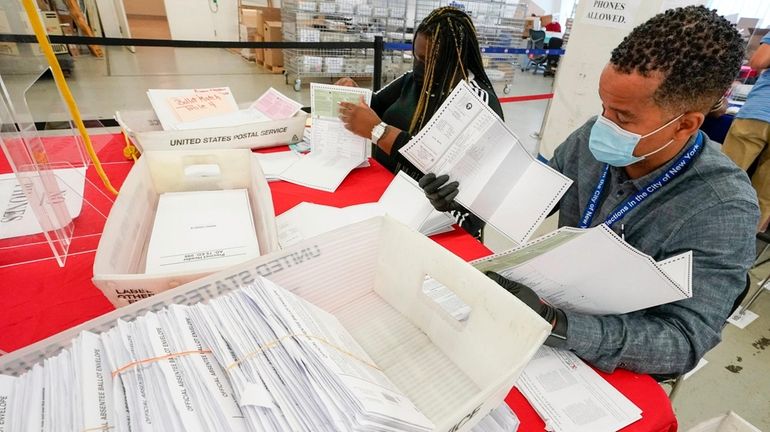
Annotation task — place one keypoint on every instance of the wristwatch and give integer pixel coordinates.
(378, 131)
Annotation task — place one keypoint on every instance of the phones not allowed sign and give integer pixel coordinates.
(616, 14)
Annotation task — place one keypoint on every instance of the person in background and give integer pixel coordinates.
(553, 26)
(747, 140)
(645, 170)
(446, 51)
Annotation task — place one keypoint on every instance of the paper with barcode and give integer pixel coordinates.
(500, 182)
(335, 151)
(614, 278)
(571, 397)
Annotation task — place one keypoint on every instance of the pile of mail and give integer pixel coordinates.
(216, 107)
(403, 200)
(257, 359)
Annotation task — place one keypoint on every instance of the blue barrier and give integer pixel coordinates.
(486, 50)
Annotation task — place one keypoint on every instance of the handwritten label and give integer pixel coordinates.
(202, 104)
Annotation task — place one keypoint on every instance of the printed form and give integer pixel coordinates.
(571, 397)
(499, 180)
(614, 278)
(335, 151)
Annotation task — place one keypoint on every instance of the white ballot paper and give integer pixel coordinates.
(17, 219)
(335, 151)
(593, 271)
(500, 181)
(273, 164)
(403, 200)
(571, 397)
(201, 230)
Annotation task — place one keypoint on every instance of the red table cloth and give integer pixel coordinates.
(39, 299)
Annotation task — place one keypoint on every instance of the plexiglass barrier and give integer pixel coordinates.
(50, 207)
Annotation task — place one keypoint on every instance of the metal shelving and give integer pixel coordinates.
(340, 21)
(499, 24)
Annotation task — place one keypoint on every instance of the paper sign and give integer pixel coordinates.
(275, 105)
(202, 103)
(17, 218)
(616, 14)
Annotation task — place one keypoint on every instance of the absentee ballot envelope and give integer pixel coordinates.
(201, 230)
(500, 182)
(593, 271)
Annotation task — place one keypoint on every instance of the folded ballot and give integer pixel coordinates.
(500, 182)
(335, 150)
(593, 271)
(201, 230)
(403, 200)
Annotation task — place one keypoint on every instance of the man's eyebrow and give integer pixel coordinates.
(624, 113)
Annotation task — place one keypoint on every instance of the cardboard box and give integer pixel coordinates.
(121, 255)
(259, 53)
(273, 57)
(145, 131)
(545, 20)
(249, 18)
(264, 15)
(370, 276)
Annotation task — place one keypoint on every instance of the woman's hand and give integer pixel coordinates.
(359, 118)
(347, 82)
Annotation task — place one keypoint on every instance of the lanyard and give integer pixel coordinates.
(678, 167)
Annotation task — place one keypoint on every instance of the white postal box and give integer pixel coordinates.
(370, 276)
(145, 131)
(121, 255)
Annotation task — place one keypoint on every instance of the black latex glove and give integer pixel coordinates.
(553, 315)
(441, 195)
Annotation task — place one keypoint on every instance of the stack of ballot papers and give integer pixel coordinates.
(594, 271)
(403, 200)
(500, 182)
(258, 359)
(216, 107)
(200, 231)
(335, 151)
(571, 397)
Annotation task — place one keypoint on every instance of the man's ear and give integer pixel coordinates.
(688, 125)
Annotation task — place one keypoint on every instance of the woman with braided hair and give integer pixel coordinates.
(446, 51)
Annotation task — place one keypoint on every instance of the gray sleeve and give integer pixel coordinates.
(670, 339)
(568, 150)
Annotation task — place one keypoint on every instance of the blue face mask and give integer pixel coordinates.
(614, 145)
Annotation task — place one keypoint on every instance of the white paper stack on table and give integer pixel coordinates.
(335, 151)
(571, 397)
(201, 231)
(500, 182)
(216, 107)
(403, 200)
(258, 359)
(594, 271)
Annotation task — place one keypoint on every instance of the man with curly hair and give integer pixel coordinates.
(643, 168)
